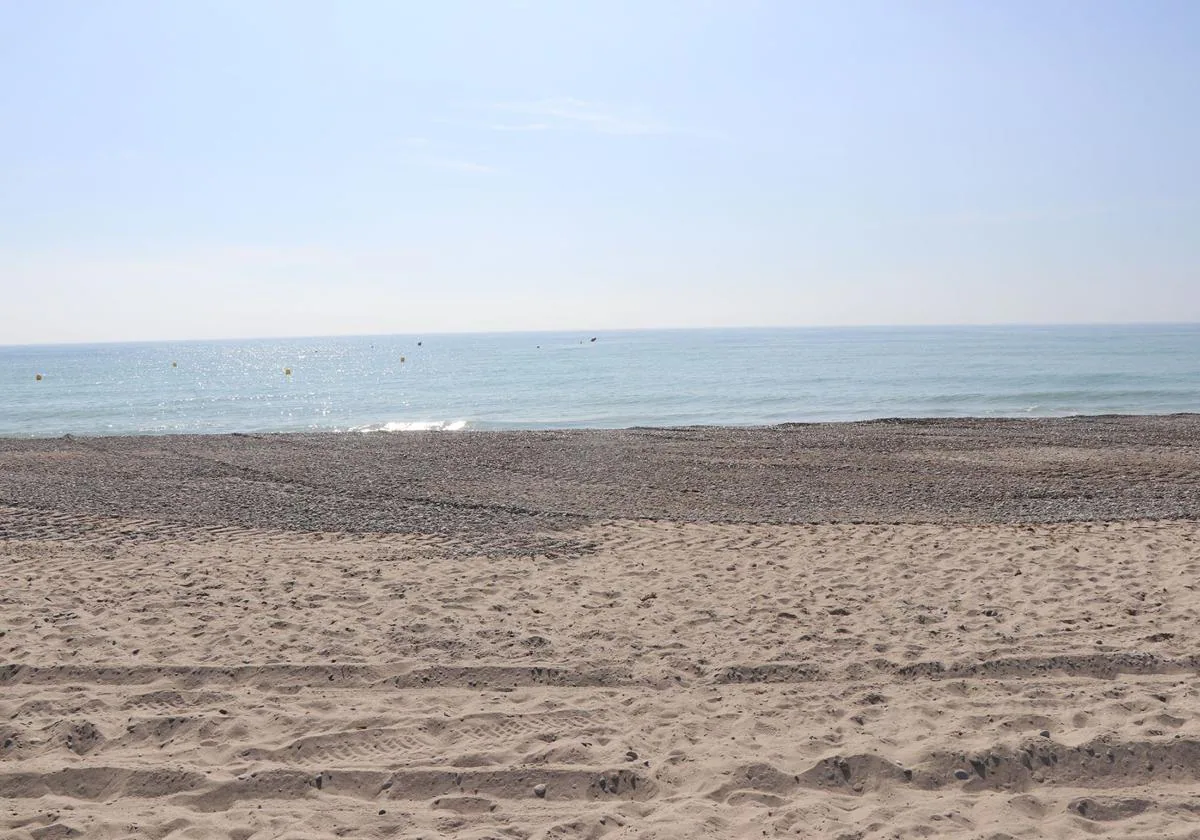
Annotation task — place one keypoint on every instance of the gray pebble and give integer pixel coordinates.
(962, 775)
(539, 791)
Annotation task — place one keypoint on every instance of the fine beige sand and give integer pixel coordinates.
(955, 629)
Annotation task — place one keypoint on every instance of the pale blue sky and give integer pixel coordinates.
(240, 168)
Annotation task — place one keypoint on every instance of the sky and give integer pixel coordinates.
(238, 168)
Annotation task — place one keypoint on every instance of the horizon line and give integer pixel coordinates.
(611, 330)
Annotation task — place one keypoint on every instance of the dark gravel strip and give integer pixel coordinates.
(498, 490)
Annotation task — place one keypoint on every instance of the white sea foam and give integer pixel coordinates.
(416, 426)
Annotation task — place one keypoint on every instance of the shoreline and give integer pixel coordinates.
(432, 427)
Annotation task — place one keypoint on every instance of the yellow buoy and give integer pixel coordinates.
(287, 371)
(38, 377)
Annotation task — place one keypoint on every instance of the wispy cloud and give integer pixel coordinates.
(1053, 214)
(456, 165)
(568, 114)
(538, 126)
(425, 154)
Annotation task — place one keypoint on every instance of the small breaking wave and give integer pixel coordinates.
(415, 426)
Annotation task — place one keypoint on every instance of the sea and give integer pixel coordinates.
(618, 379)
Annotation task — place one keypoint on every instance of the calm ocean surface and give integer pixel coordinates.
(558, 380)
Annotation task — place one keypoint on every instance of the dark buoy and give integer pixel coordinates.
(287, 371)
(401, 360)
(593, 338)
(174, 364)
(418, 344)
(37, 377)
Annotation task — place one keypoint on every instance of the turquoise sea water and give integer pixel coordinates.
(560, 380)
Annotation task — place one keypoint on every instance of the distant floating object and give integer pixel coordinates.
(401, 360)
(593, 338)
(174, 364)
(37, 377)
(418, 344)
(287, 371)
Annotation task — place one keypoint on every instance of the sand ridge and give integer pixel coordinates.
(661, 679)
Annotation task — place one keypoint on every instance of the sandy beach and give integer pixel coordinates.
(895, 629)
